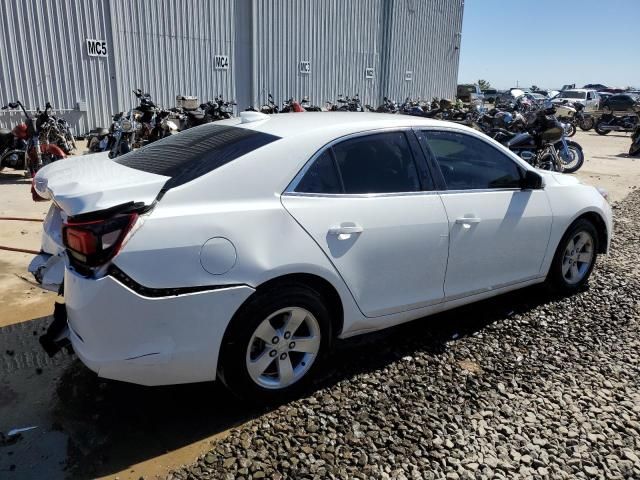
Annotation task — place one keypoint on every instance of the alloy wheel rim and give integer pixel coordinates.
(577, 258)
(283, 348)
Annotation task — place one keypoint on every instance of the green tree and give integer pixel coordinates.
(484, 84)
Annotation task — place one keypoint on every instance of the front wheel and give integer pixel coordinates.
(634, 149)
(573, 159)
(574, 259)
(570, 129)
(275, 343)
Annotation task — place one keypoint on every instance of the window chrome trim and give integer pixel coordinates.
(290, 190)
(400, 194)
(420, 193)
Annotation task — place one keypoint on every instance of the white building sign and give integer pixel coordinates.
(221, 62)
(96, 48)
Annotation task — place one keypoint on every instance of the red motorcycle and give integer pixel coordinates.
(22, 148)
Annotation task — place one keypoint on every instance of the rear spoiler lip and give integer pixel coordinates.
(128, 207)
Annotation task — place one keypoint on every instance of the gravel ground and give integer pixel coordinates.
(522, 386)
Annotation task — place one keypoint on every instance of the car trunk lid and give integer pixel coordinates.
(92, 183)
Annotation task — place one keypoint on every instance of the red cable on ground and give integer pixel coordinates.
(21, 250)
(19, 219)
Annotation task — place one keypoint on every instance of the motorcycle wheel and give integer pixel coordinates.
(575, 160)
(570, 131)
(634, 149)
(586, 124)
(599, 130)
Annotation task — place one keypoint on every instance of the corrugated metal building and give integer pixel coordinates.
(242, 49)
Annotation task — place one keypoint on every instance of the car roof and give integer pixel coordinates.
(287, 125)
(581, 90)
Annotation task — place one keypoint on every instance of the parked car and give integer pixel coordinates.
(470, 93)
(242, 249)
(588, 98)
(621, 102)
(490, 95)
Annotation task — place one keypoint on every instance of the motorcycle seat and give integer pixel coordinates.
(100, 131)
(196, 114)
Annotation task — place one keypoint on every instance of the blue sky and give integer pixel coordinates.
(549, 43)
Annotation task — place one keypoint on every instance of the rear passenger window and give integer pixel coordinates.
(322, 176)
(378, 163)
(468, 163)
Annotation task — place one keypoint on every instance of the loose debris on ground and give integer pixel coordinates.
(523, 386)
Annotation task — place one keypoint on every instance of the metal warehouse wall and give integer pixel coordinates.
(43, 58)
(424, 39)
(339, 38)
(167, 47)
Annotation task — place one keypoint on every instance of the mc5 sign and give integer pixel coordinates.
(96, 48)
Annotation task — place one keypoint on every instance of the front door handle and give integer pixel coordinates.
(466, 222)
(345, 229)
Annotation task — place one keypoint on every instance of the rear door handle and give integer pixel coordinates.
(345, 230)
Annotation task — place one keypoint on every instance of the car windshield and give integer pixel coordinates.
(570, 94)
(195, 152)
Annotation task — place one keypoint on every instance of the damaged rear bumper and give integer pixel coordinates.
(125, 336)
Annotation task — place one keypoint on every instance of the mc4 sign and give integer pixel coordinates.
(221, 62)
(96, 48)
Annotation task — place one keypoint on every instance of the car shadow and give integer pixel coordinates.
(16, 178)
(113, 425)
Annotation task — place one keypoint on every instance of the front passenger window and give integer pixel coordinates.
(468, 163)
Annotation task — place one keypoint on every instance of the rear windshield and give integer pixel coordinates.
(195, 152)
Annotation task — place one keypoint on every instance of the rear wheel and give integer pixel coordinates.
(599, 130)
(575, 258)
(586, 123)
(275, 343)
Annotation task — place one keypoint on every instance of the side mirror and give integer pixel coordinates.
(531, 181)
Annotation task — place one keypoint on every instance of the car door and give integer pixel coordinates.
(368, 203)
(498, 232)
(592, 101)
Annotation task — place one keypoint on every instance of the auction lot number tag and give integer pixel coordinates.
(96, 48)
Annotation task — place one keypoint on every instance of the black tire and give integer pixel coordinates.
(599, 131)
(578, 159)
(556, 281)
(232, 367)
(586, 124)
(634, 150)
(570, 131)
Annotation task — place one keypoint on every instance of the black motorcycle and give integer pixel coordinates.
(387, 106)
(542, 143)
(609, 122)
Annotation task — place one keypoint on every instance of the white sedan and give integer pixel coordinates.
(241, 249)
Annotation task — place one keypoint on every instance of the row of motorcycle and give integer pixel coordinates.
(537, 132)
(38, 140)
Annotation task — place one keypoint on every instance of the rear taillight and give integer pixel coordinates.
(94, 243)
